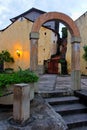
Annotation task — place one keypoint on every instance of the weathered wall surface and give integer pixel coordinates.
(47, 45)
(81, 23)
(16, 37)
(68, 53)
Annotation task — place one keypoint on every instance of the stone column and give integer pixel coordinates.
(75, 63)
(21, 103)
(34, 36)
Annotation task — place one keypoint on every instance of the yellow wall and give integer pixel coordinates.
(47, 45)
(16, 37)
(81, 22)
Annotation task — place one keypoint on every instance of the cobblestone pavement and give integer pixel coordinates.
(56, 82)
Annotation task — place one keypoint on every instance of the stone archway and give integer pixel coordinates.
(75, 40)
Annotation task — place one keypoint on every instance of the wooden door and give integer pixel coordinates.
(53, 67)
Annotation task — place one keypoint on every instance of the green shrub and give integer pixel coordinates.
(8, 70)
(5, 56)
(21, 76)
(85, 53)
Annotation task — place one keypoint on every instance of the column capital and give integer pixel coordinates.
(75, 39)
(34, 35)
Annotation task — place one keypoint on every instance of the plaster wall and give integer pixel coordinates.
(16, 37)
(81, 23)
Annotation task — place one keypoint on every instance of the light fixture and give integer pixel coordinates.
(18, 53)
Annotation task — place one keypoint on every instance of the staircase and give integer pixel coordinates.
(69, 107)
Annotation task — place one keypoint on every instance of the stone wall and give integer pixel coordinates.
(81, 23)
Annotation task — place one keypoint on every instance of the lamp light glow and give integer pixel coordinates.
(18, 53)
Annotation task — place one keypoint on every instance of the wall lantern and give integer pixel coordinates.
(18, 53)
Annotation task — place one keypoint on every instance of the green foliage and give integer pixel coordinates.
(62, 61)
(85, 53)
(21, 76)
(63, 66)
(64, 32)
(5, 56)
(8, 70)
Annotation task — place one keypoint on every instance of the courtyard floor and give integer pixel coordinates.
(57, 82)
(47, 82)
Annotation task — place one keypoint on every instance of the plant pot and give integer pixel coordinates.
(1, 67)
(36, 87)
(31, 91)
(7, 99)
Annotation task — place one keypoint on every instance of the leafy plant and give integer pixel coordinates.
(62, 61)
(5, 56)
(85, 53)
(21, 76)
(63, 66)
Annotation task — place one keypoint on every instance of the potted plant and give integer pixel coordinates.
(5, 56)
(21, 76)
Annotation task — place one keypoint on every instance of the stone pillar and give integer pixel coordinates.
(34, 36)
(21, 103)
(75, 63)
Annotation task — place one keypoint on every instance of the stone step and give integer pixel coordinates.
(49, 94)
(62, 100)
(67, 109)
(76, 120)
(82, 94)
(80, 128)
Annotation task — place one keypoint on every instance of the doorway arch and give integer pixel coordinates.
(75, 40)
